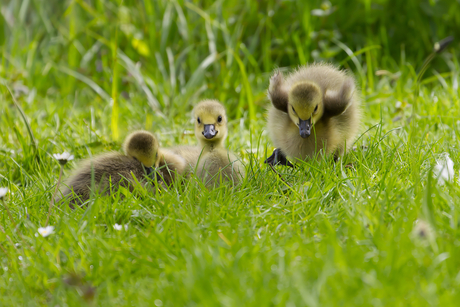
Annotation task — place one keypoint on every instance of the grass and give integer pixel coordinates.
(86, 73)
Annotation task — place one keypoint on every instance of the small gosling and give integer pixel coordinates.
(316, 109)
(212, 161)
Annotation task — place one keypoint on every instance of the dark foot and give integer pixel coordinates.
(278, 158)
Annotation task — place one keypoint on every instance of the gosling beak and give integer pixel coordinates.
(209, 131)
(305, 128)
(149, 171)
(158, 176)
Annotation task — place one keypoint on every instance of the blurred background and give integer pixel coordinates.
(152, 60)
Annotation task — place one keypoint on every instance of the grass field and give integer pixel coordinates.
(83, 74)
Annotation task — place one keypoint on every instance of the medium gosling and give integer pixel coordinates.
(112, 170)
(316, 109)
(212, 161)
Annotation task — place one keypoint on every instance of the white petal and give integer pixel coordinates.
(117, 227)
(3, 192)
(46, 231)
(64, 156)
(317, 12)
(444, 169)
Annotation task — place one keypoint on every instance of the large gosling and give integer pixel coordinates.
(114, 170)
(213, 162)
(314, 110)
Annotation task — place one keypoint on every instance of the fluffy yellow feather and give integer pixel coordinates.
(316, 109)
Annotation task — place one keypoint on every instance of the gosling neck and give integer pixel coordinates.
(211, 145)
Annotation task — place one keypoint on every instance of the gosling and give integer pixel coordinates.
(211, 160)
(169, 165)
(314, 110)
(114, 170)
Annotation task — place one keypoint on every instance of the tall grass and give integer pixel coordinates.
(377, 228)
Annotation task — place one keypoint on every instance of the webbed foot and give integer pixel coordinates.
(278, 158)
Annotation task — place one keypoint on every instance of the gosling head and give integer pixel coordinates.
(143, 146)
(210, 122)
(305, 106)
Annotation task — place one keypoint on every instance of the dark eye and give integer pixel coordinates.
(198, 120)
(293, 109)
(316, 108)
(219, 119)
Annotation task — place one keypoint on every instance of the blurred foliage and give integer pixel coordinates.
(161, 44)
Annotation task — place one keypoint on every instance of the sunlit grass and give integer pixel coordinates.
(322, 234)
